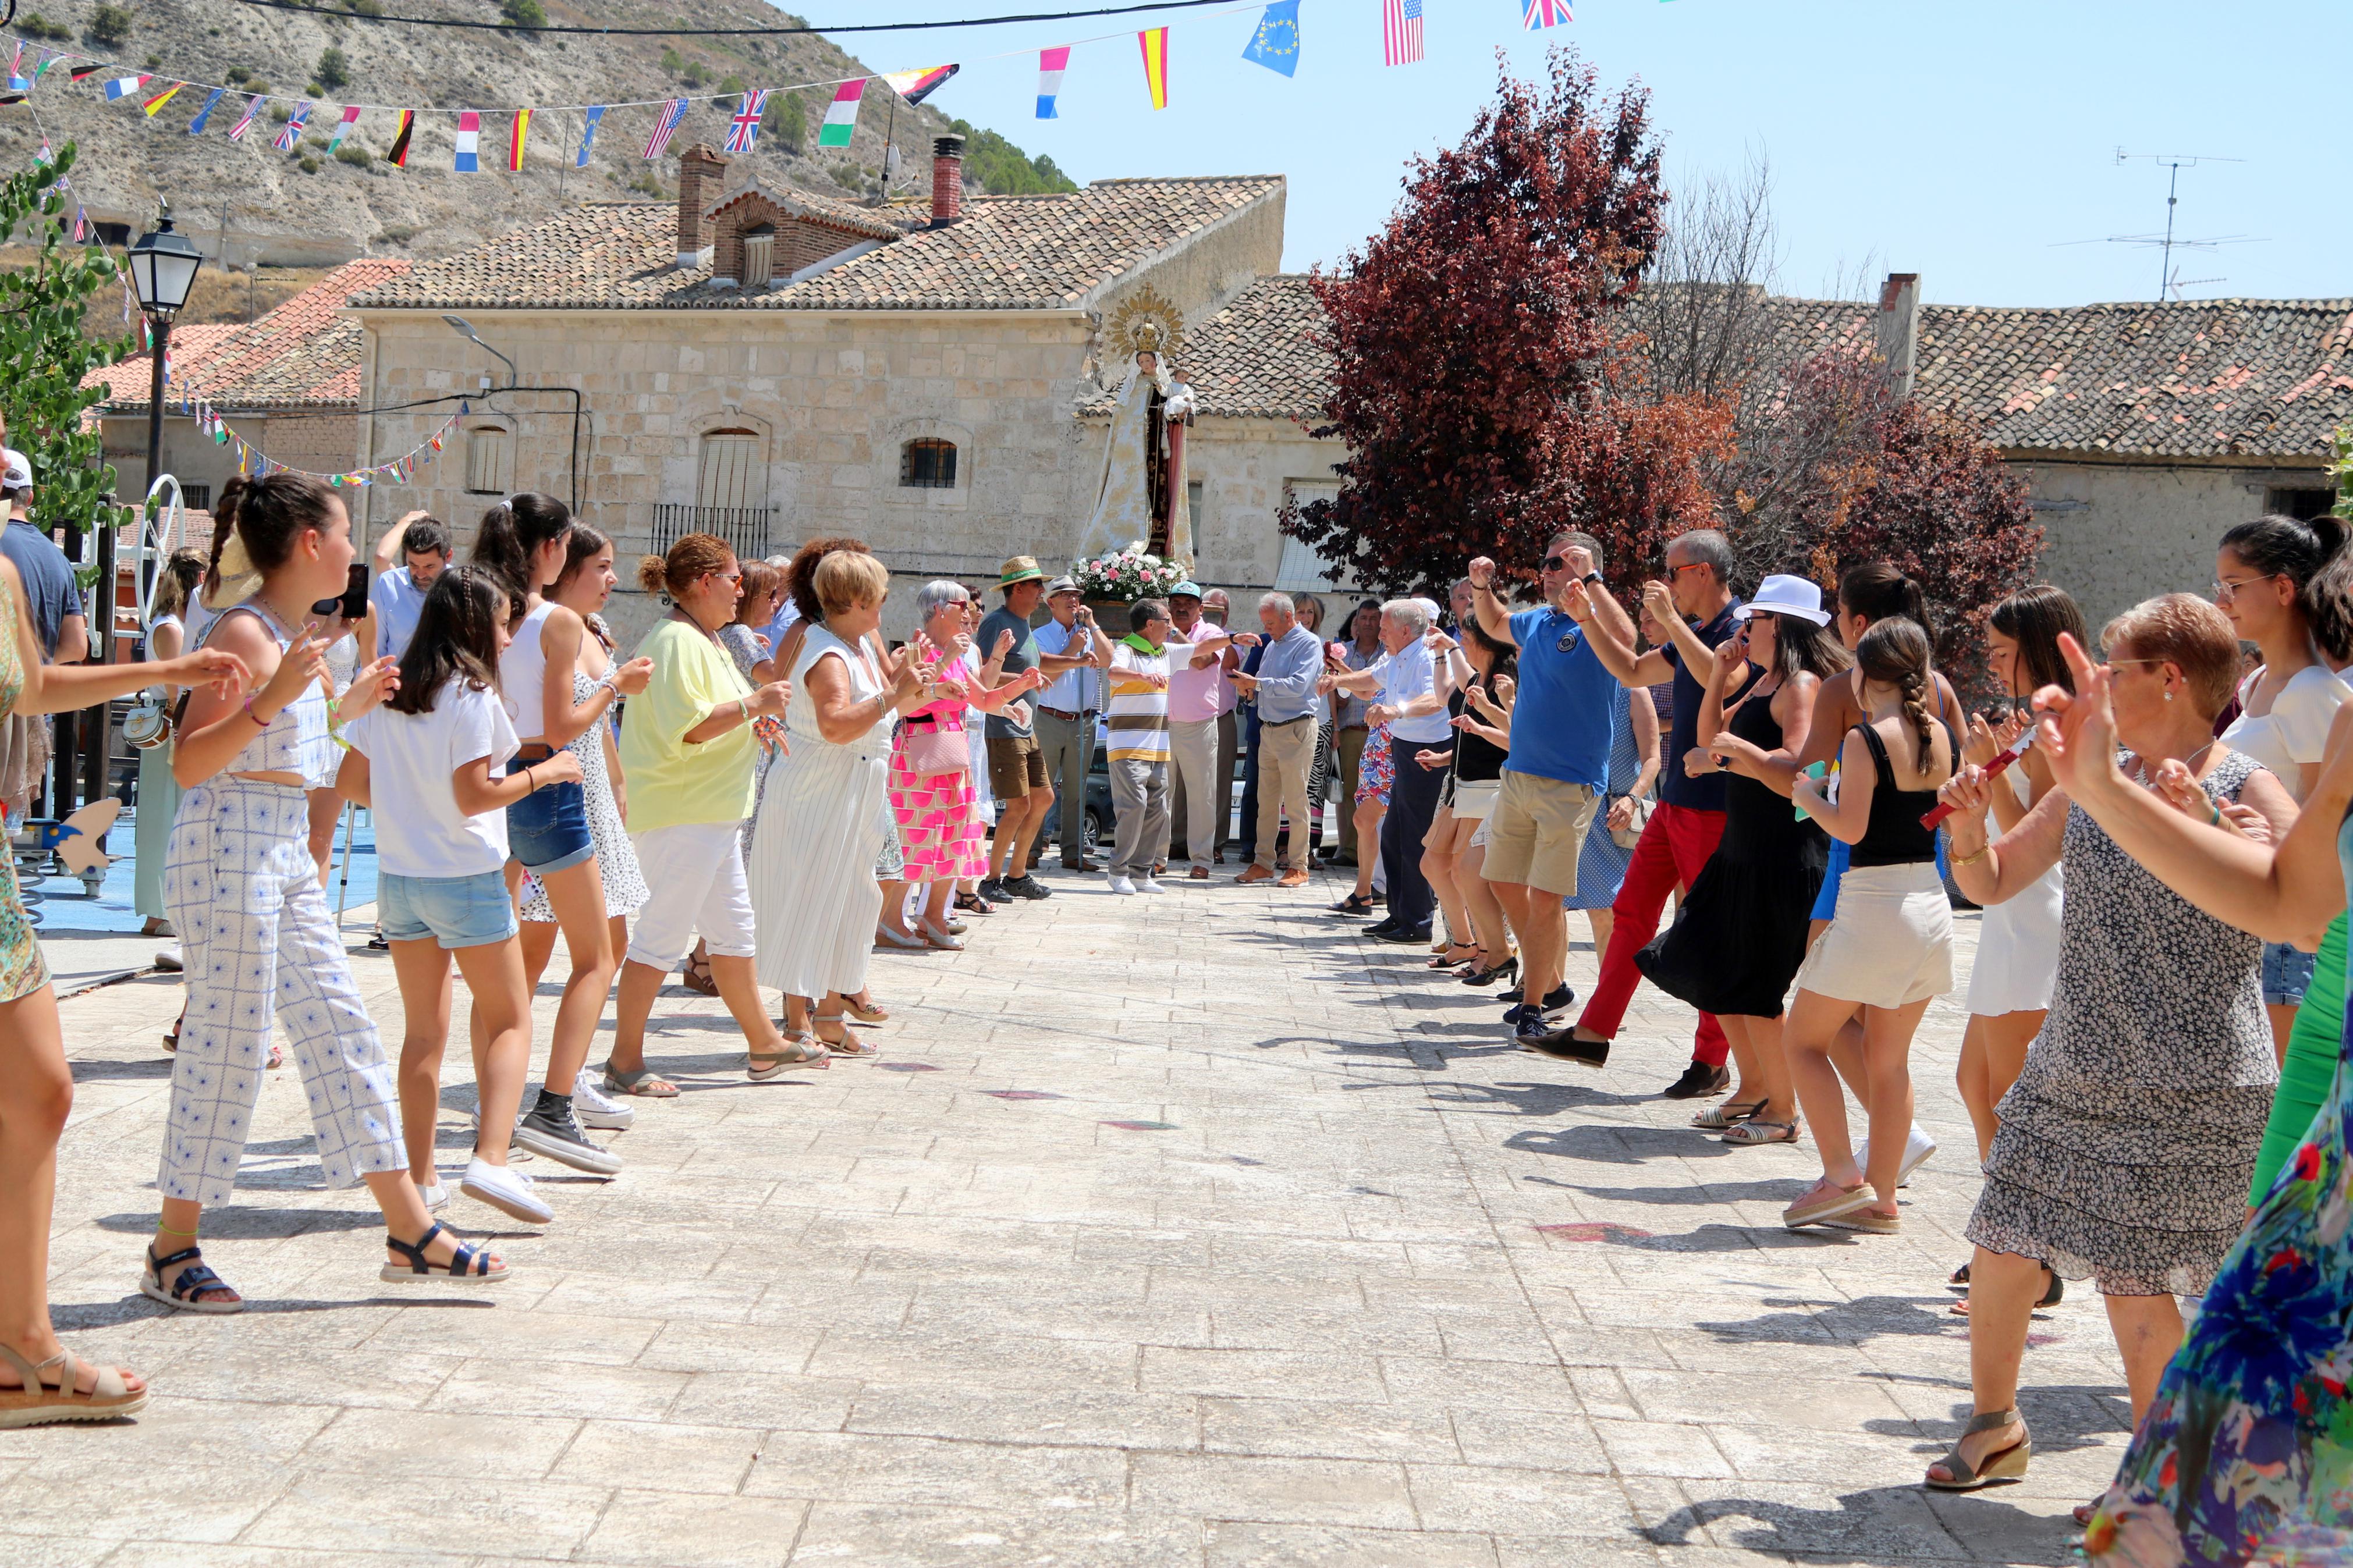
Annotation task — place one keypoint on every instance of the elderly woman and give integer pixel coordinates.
(813, 895)
(687, 747)
(2124, 1146)
(941, 831)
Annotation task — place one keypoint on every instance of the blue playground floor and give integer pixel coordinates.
(66, 904)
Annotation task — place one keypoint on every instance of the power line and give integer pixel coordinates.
(730, 32)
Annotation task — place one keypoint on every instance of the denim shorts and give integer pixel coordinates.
(547, 829)
(456, 912)
(2287, 973)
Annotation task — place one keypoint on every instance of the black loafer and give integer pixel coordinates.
(1562, 1045)
(1700, 1078)
(1401, 933)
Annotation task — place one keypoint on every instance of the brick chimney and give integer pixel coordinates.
(947, 181)
(701, 173)
(1896, 331)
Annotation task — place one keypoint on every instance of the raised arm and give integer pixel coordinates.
(387, 549)
(1993, 872)
(2285, 891)
(57, 688)
(1494, 616)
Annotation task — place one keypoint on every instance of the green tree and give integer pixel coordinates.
(1003, 169)
(45, 354)
(110, 26)
(788, 121)
(334, 70)
(524, 12)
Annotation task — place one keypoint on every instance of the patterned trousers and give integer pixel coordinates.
(259, 941)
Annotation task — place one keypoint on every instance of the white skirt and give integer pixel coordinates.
(2017, 964)
(814, 897)
(1891, 942)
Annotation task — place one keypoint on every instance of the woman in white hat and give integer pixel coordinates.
(1741, 935)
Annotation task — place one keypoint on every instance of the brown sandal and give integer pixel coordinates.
(801, 1052)
(39, 1401)
(698, 978)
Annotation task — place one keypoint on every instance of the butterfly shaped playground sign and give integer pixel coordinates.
(75, 840)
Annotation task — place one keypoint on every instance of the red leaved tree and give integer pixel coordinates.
(1487, 382)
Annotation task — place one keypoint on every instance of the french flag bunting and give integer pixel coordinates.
(123, 86)
(1051, 64)
(245, 121)
(469, 138)
(293, 131)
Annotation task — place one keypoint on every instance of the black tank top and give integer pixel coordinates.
(1893, 835)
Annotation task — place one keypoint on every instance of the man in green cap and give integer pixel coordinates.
(1017, 766)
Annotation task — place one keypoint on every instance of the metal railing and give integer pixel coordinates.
(749, 531)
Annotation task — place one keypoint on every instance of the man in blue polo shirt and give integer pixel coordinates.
(1557, 773)
(1682, 835)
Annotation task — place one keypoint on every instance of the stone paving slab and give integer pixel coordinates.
(1191, 1231)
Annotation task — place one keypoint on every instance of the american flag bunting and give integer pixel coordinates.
(1401, 32)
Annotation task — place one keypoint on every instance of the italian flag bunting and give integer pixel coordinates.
(841, 117)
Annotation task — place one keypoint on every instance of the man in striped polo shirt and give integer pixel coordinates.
(1137, 724)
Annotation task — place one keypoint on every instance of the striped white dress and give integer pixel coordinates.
(815, 901)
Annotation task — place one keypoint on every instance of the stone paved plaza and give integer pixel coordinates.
(1189, 1231)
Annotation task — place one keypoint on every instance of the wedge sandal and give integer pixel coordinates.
(2002, 1465)
(40, 1403)
(465, 1266)
(805, 1052)
(1825, 1201)
(186, 1294)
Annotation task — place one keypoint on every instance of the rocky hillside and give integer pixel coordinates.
(247, 202)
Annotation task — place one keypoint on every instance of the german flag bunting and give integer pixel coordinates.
(398, 154)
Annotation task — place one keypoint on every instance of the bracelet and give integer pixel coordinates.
(256, 718)
(531, 781)
(744, 709)
(1983, 850)
(2213, 814)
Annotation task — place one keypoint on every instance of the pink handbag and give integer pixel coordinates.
(937, 750)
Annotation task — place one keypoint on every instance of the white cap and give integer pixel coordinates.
(18, 473)
(1782, 594)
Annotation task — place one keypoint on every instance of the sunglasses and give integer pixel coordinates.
(1556, 563)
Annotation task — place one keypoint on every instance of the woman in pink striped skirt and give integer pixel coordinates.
(941, 829)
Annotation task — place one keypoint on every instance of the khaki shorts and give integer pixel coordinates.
(1015, 766)
(1538, 831)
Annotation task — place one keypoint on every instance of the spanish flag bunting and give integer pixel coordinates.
(161, 99)
(399, 156)
(1155, 43)
(514, 141)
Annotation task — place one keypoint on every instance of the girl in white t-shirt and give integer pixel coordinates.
(2264, 572)
(436, 749)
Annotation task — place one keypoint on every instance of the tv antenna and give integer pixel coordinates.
(2171, 283)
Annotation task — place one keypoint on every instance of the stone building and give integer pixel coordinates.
(287, 383)
(772, 365)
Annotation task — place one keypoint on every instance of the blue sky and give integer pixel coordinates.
(1961, 141)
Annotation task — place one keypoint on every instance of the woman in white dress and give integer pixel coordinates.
(159, 792)
(814, 897)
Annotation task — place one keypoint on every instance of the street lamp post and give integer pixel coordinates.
(162, 271)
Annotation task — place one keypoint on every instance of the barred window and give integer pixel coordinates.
(929, 464)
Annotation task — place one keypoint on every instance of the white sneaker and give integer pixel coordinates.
(1146, 885)
(1122, 885)
(1917, 1147)
(435, 1196)
(505, 1191)
(595, 1108)
(167, 958)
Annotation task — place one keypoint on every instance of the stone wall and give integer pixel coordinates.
(2116, 533)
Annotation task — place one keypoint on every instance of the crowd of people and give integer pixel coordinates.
(2157, 1004)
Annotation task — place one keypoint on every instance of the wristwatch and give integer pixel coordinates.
(1590, 577)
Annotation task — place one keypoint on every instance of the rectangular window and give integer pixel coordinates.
(490, 461)
(759, 261)
(2301, 504)
(1302, 570)
(731, 470)
(196, 498)
(928, 465)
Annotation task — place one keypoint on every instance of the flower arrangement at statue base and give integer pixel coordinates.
(1124, 576)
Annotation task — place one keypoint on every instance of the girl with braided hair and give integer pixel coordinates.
(1889, 949)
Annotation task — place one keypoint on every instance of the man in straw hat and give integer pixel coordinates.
(1017, 766)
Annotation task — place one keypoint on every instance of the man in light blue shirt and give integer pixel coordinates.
(1414, 711)
(411, 554)
(1289, 663)
(1067, 707)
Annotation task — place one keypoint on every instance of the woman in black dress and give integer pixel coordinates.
(1740, 935)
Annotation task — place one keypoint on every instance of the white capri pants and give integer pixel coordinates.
(260, 945)
(696, 872)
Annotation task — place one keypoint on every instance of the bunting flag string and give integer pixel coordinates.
(588, 135)
(293, 131)
(1155, 43)
(841, 114)
(1051, 64)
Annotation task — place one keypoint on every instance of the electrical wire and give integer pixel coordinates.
(729, 32)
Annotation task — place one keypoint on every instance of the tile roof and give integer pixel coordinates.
(305, 353)
(1007, 253)
(2196, 378)
(1262, 357)
(874, 223)
(2186, 378)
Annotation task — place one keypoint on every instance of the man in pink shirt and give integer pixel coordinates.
(1200, 705)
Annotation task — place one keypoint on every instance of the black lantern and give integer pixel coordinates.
(163, 268)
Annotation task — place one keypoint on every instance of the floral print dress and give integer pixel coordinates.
(939, 813)
(2246, 1454)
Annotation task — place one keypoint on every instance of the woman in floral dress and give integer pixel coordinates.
(942, 836)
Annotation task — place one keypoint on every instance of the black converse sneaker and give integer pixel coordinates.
(551, 1129)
